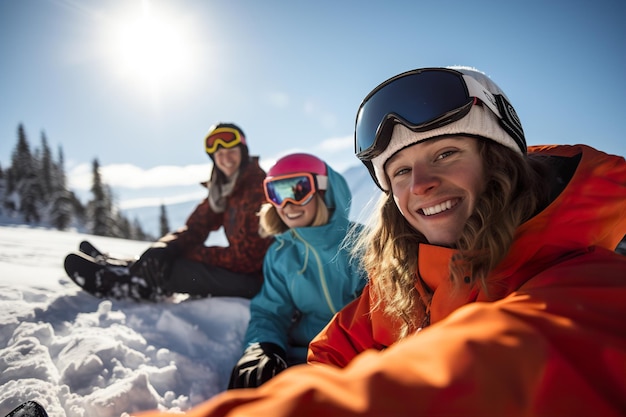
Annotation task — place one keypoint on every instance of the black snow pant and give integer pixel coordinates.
(201, 280)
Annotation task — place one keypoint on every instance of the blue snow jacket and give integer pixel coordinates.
(308, 277)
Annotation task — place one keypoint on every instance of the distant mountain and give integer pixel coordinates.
(364, 194)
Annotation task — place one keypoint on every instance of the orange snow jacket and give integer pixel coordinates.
(552, 344)
(589, 213)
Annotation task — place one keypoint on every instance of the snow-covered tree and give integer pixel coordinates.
(25, 180)
(33, 189)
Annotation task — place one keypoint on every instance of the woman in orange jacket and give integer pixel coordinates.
(495, 288)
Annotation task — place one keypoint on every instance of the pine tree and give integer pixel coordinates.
(61, 178)
(123, 227)
(163, 222)
(2, 191)
(61, 210)
(8, 201)
(138, 232)
(62, 203)
(25, 169)
(99, 207)
(21, 159)
(46, 171)
(35, 187)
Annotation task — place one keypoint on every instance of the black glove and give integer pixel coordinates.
(259, 363)
(155, 263)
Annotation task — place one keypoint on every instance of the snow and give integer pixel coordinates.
(80, 356)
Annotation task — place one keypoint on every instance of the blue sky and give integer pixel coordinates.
(290, 73)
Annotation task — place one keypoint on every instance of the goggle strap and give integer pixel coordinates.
(476, 89)
(511, 122)
(501, 107)
(322, 182)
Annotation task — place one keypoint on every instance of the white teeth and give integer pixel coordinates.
(438, 208)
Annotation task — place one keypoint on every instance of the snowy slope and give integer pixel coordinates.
(81, 356)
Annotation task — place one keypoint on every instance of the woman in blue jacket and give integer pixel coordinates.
(308, 271)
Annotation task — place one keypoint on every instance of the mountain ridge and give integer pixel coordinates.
(358, 178)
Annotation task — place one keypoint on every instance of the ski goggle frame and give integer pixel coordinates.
(422, 100)
(298, 188)
(226, 137)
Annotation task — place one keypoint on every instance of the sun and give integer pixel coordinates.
(152, 49)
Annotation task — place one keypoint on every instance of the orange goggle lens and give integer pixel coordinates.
(225, 137)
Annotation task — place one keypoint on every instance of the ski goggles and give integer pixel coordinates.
(422, 99)
(225, 137)
(297, 188)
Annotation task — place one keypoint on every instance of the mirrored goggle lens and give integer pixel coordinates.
(225, 137)
(417, 97)
(292, 189)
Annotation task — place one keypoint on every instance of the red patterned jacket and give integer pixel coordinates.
(241, 226)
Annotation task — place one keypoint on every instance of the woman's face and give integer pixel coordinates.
(436, 184)
(228, 160)
(298, 216)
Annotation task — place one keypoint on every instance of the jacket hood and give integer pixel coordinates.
(590, 211)
(338, 199)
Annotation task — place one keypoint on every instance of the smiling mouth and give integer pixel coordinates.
(438, 208)
(293, 216)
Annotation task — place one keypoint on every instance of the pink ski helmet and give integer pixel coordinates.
(298, 162)
(295, 179)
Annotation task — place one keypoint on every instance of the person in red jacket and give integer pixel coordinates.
(235, 196)
(180, 262)
(494, 285)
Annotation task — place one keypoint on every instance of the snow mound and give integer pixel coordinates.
(80, 356)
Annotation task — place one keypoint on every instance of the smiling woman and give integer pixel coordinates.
(151, 49)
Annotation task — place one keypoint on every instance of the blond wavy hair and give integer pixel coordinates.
(515, 190)
(270, 223)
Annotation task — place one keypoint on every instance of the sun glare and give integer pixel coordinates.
(151, 49)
